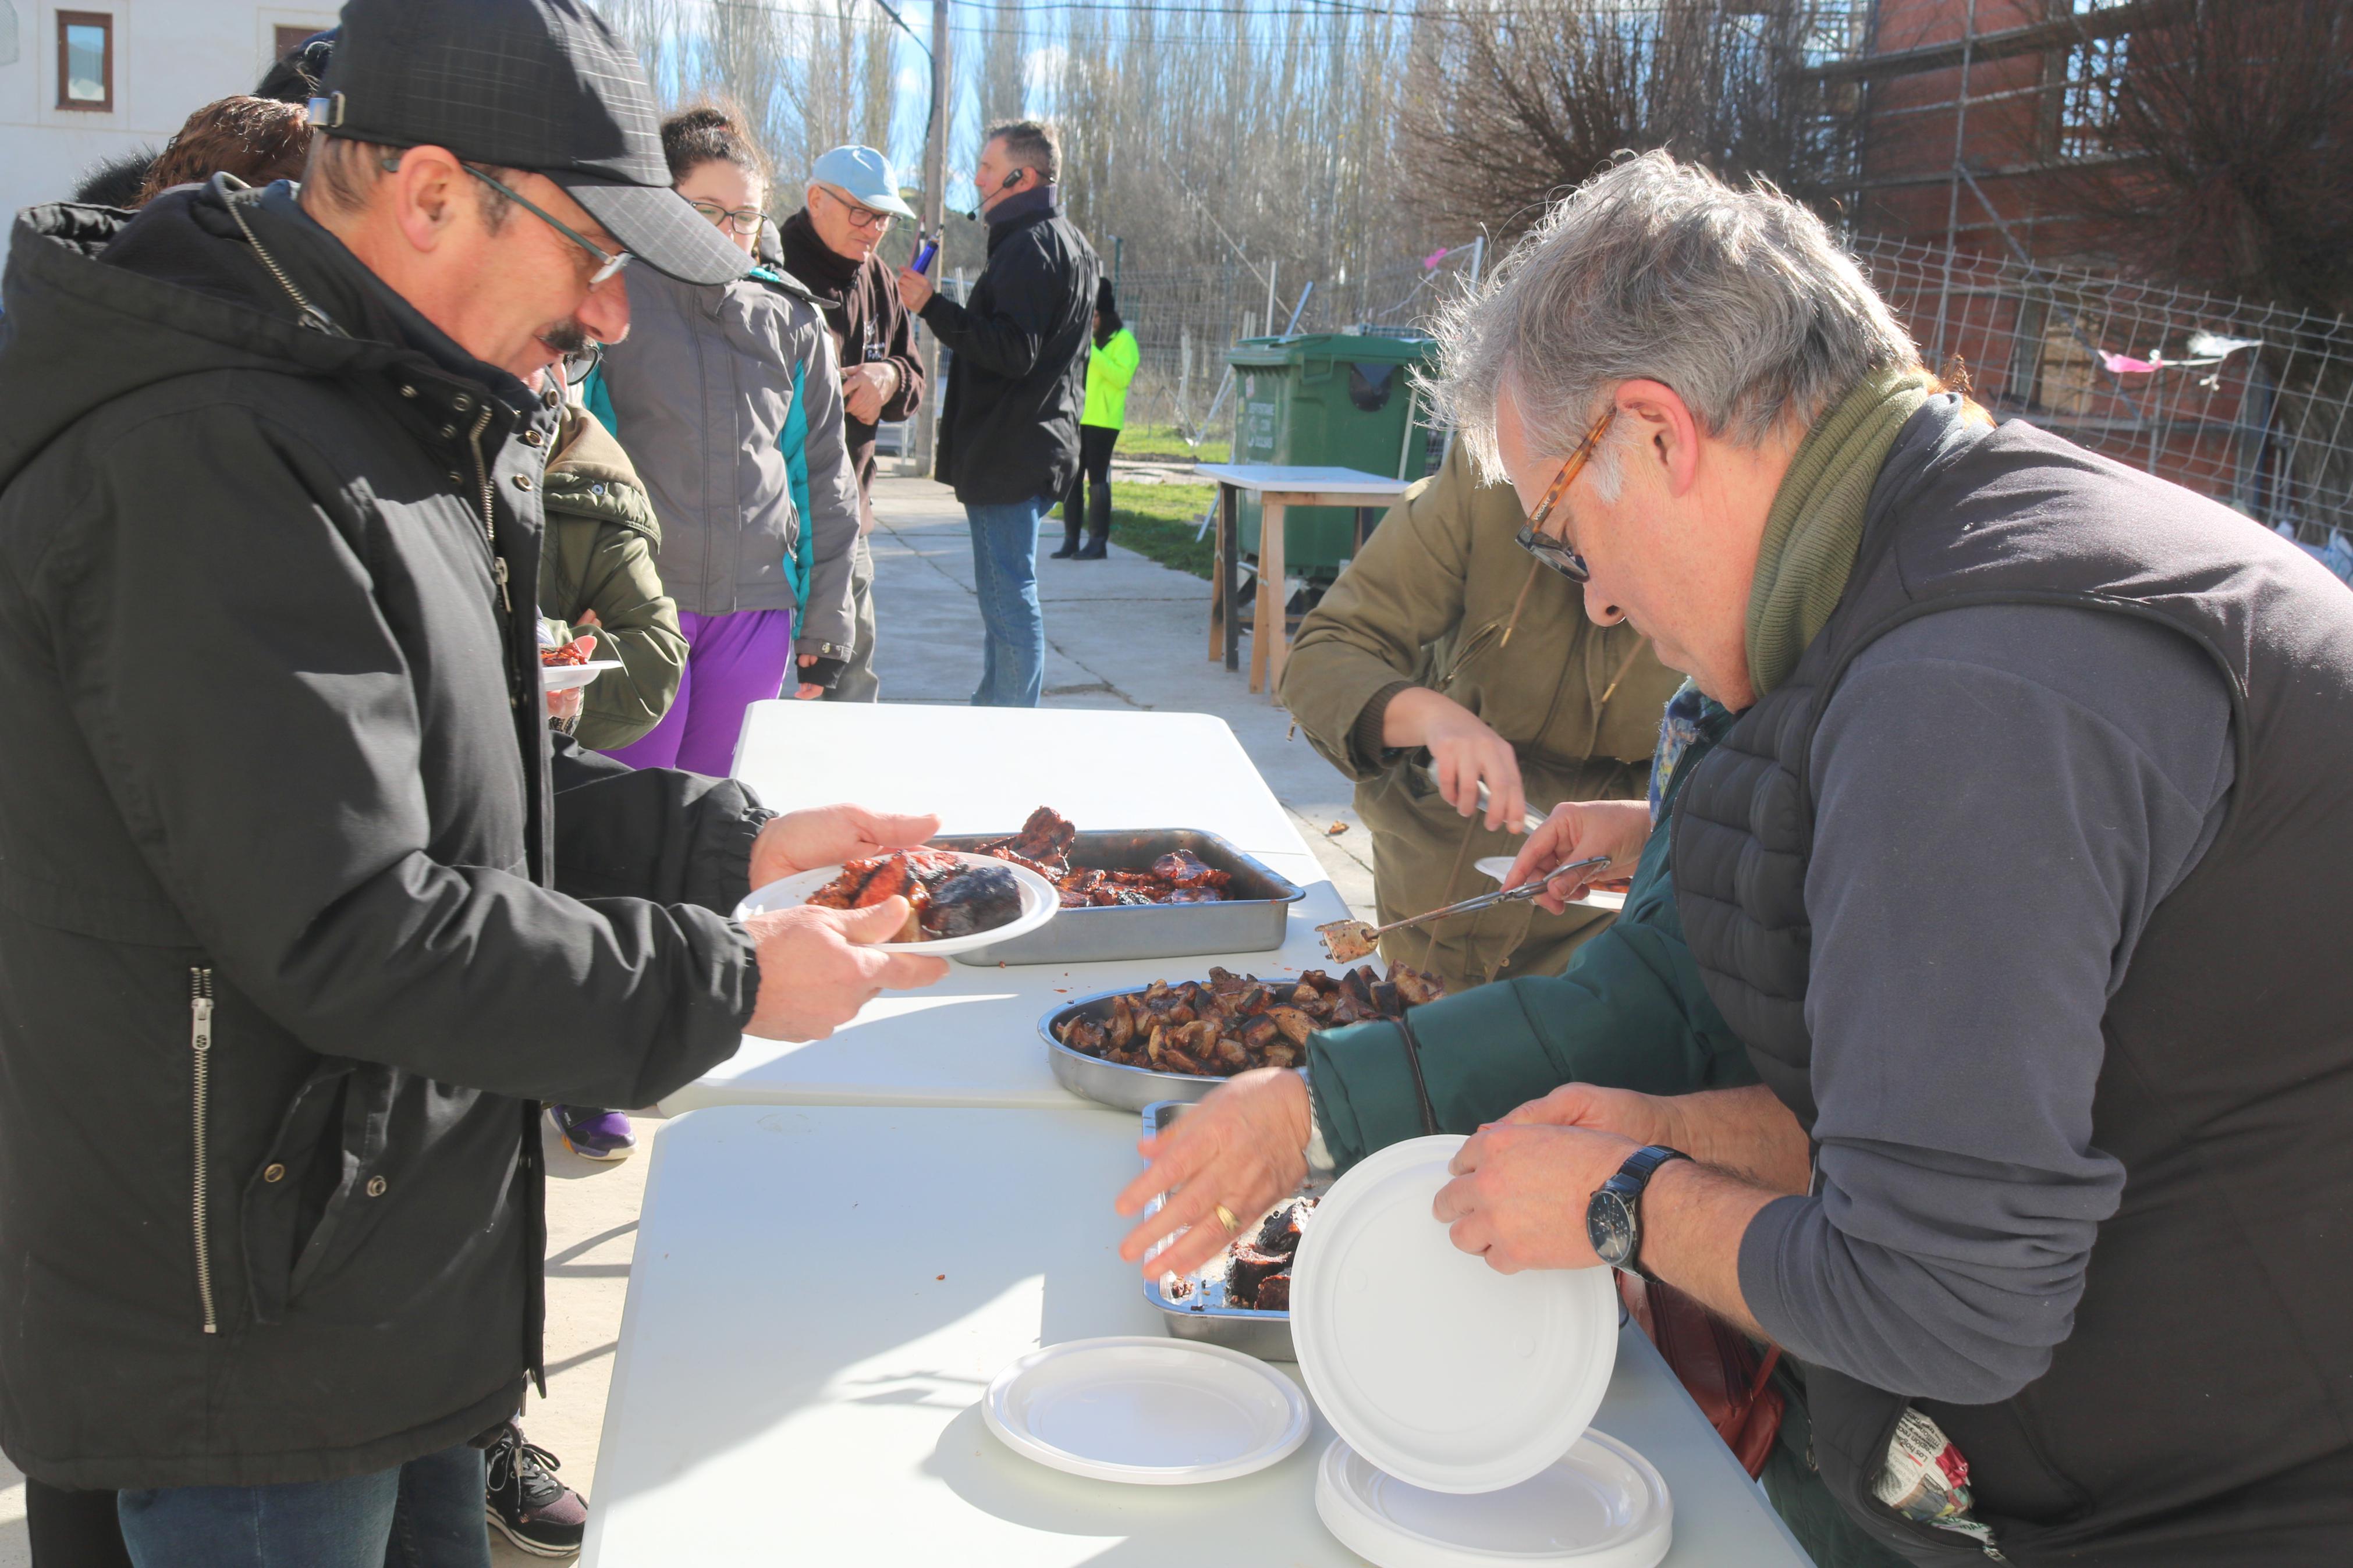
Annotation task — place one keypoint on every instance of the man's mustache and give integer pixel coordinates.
(567, 338)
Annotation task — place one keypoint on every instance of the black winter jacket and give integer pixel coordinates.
(1010, 423)
(299, 917)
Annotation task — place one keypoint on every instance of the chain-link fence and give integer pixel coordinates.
(2249, 403)
(1184, 321)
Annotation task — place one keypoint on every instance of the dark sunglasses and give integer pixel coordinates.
(1552, 551)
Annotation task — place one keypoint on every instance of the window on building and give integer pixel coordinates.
(291, 39)
(2094, 89)
(86, 60)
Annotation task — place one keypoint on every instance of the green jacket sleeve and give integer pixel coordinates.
(1402, 592)
(1630, 1012)
(639, 627)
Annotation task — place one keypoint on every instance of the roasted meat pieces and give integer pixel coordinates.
(1236, 1022)
(1258, 1267)
(946, 897)
(1043, 845)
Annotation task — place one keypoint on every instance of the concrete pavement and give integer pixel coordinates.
(1121, 632)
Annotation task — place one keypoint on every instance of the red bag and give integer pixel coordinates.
(1716, 1364)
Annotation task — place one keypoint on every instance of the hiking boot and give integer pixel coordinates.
(594, 1134)
(525, 1502)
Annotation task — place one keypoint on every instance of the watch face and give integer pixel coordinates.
(1609, 1225)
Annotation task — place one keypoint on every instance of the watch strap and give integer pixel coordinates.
(1629, 1182)
(1643, 1164)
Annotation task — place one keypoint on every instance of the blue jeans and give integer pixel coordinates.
(1004, 573)
(427, 1514)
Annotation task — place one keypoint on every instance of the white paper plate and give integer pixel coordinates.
(1039, 903)
(1602, 1506)
(1497, 867)
(565, 676)
(1433, 1366)
(1146, 1410)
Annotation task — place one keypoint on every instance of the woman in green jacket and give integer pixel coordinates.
(597, 576)
(1110, 368)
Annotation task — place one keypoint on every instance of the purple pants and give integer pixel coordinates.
(732, 662)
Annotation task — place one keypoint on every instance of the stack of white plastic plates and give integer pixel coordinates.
(1156, 1412)
(1601, 1507)
(1462, 1395)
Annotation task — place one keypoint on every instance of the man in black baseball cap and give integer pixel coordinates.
(305, 911)
(536, 85)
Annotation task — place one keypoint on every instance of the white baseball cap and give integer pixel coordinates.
(867, 177)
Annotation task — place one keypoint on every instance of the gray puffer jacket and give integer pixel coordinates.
(701, 390)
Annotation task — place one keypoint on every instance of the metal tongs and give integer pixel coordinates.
(1347, 941)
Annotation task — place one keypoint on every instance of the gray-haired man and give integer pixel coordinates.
(2011, 843)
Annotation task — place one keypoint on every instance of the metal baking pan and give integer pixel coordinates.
(1200, 1311)
(1111, 1083)
(1251, 917)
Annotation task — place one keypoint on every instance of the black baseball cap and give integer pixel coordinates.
(541, 85)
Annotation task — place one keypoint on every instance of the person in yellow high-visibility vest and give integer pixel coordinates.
(1109, 367)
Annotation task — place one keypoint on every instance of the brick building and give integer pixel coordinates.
(1968, 123)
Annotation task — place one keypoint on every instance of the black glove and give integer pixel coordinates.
(825, 672)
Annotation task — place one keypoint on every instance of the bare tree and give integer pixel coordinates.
(1511, 101)
(2230, 152)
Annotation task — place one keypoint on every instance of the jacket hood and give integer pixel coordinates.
(102, 303)
(591, 476)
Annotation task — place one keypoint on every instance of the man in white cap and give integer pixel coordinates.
(830, 245)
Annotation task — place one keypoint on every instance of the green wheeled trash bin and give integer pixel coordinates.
(1336, 400)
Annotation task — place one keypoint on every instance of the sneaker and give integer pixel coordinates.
(593, 1134)
(526, 1503)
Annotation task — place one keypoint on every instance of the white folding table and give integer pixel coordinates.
(973, 1039)
(1277, 488)
(820, 1295)
(986, 769)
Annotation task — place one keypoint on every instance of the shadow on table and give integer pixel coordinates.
(808, 1291)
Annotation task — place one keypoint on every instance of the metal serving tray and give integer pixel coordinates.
(1110, 1083)
(1251, 918)
(1201, 1313)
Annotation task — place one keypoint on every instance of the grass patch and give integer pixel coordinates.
(1158, 521)
(1165, 441)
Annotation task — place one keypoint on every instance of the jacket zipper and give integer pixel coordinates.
(200, 1041)
(490, 508)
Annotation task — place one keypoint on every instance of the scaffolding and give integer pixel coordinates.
(2249, 403)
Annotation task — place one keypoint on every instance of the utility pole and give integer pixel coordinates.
(935, 220)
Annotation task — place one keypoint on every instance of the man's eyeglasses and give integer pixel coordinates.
(608, 262)
(1552, 551)
(861, 217)
(743, 220)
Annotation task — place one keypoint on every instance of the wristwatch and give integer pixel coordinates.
(1613, 1216)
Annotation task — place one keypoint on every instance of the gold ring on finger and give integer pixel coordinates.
(1226, 1217)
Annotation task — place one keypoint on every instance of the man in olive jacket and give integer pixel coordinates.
(300, 916)
(1443, 644)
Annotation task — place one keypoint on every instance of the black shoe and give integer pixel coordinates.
(1096, 547)
(525, 1502)
(1070, 547)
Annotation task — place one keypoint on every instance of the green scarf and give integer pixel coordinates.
(1816, 525)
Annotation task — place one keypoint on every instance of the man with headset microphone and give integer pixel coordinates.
(1009, 438)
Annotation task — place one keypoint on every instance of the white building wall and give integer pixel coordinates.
(171, 57)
